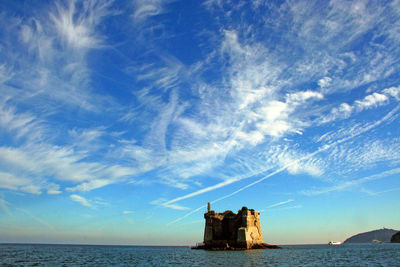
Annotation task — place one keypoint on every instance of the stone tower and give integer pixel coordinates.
(228, 230)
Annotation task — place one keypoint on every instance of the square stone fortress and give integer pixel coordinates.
(230, 231)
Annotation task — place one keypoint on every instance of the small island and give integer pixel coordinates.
(230, 231)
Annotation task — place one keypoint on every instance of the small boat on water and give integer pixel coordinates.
(334, 243)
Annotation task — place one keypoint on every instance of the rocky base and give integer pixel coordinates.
(227, 247)
(395, 238)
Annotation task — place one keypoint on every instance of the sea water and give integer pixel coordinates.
(296, 255)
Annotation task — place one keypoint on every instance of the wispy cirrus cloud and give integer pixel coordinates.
(373, 100)
(57, 44)
(279, 116)
(12, 182)
(245, 105)
(127, 212)
(81, 200)
(76, 22)
(350, 184)
(145, 9)
(162, 202)
(253, 92)
(367, 155)
(393, 91)
(322, 149)
(21, 124)
(60, 163)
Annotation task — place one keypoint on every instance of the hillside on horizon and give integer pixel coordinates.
(383, 235)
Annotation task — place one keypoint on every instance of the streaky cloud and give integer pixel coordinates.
(321, 149)
(349, 184)
(81, 200)
(281, 203)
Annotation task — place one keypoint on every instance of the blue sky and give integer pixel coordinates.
(120, 120)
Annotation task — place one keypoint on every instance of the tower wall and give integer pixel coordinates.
(228, 229)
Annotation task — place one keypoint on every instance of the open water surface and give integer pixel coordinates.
(297, 255)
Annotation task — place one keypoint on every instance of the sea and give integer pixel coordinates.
(294, 255)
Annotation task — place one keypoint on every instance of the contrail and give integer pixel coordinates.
(204, 190)
(190, 213)
(36, 218)
(387, 191)
(321, 149)
(280, 203)
(216, 186)
(4, 204)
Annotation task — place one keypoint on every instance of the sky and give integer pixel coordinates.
(120, 120)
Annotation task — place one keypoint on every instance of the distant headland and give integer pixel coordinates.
(376, 236)
(230, 231)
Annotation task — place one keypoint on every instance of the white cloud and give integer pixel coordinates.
(277, 117)
(38, 40)
(76, 23)
(88, 186)
(60, 163)
(5, 73)
(55, 40)
(81, 200)
(307, 157)
(166, 75)
(274, 110)
(192, 126)
(48, 160)
(253, 138)
(262, 92)
(145, 9)
(302, 96)
(304, 167)
(324, 82)
(254, 101)
(22, 124)
(31, 188)
(393, 91)
(370, 101)
(86, 136)
(295, 162)
(345, 110)
(12, 182)
(53, 189)
(366, 155)
(126, 212)
(162, 202)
